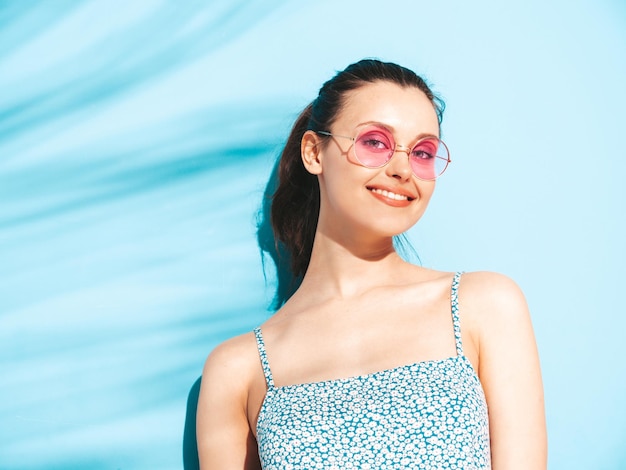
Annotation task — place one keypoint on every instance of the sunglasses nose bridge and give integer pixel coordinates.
(405, 167)
(402, 148)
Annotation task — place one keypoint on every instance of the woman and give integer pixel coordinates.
(373, 362)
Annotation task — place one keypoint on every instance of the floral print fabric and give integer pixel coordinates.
(428, 415)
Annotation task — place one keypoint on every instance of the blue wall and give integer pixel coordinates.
(136, 139)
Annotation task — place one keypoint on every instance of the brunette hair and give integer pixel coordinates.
(295, 204)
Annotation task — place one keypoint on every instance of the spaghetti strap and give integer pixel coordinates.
(454, 300)
(263, 355)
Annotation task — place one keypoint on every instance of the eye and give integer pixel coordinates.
(374, 141)
(421, 154)
(425, 150)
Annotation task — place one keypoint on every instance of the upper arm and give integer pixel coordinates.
(509, 372)
(225, 440)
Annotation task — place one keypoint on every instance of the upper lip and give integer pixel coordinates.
(400, 191)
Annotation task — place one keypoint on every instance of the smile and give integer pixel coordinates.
(390, 195)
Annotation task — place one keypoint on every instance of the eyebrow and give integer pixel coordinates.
(391, 129)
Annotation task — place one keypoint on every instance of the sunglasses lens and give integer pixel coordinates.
(373, 148)
(429, 158)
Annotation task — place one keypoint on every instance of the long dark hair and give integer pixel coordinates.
(295, 203)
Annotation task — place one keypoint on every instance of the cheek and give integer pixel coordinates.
(338, 189)
(340, 175)
(426, 190)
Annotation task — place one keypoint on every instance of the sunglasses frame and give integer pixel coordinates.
(397, 148)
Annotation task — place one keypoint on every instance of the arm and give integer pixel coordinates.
(510, 373)
(225, 440)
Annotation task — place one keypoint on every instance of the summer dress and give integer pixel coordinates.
(427, 415)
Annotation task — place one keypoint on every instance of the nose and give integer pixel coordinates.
(399, 166)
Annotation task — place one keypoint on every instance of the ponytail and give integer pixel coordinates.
(296, 202)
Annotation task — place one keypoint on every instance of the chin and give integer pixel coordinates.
(393, 227)
(389, 231)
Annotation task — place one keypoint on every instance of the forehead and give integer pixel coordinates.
(403, 109)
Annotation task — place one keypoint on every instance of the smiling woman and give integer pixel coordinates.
(373, 362)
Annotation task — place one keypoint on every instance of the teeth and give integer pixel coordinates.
(389, 194)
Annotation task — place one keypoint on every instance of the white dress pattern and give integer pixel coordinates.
(428, 415)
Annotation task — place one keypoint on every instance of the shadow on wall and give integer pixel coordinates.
(190, 444)
(286, 285)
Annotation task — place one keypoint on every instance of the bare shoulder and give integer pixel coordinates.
(232, 363)
(508, 368)
(494, 314)
(491, 296)
(223, 430)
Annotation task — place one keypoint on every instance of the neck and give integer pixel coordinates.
(341, 270)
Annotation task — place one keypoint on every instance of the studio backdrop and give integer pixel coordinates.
(137, 140)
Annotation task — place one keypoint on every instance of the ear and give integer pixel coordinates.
(310, 149)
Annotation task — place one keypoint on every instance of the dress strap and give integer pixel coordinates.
(263, 355)
(454, 300)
